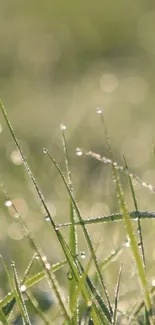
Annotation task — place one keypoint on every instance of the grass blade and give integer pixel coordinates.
(3, 318)
(85, 231)
(114, 322)
(19, 297)
(129, 230)
(138, 218)
(43, 260)
(72, 236)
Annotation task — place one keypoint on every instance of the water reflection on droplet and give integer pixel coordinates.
(127, 244)
(44, 258)
(47, 218)
(8, 203)
(69, 275)
(16, 157)
(62, 127)
(98, 110)
(48, 266)
(83, 255)
(23, 288)
(37, 257)
(79, 152)
(44, 150)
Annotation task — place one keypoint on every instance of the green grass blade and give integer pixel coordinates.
(19, 297)
(28, 269)
(112, 257)
(3, 318)
(114, 217)
(129, 229)
(43, 259)
(126, 171)
(85, 231)
(141, 244)
(83, 279)
(114, 321)
(70, 259)
(37, 310)
(134, 247)
(29, 283)
(85, 292)
(73, 234)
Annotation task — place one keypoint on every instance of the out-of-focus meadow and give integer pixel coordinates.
(59, 61)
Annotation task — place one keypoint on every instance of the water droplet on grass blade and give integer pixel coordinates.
(47, 218)
(44, 150)
(69, 275)
(8, 203)
(48, 266)
(127, 244)
(83, 255)
(37, 257)
(23, 288)
(79, 152)
(98, 110)
(62, 127)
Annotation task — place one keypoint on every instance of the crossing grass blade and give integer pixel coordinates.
(85, 231)
(69, 257)
(28, 282)
(19, 297)
(50, 277)
(17, 294)
(87, 294)
(114, 217)
(3, 318)
(37, 310)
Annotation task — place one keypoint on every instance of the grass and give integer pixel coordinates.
(87, 299)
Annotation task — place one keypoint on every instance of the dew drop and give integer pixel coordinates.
(69, 275)
(127, 244)
(139, 244)
(23, 288)
(44, 258)
(99, 110)
(48, 266)
(79, 152)
(89, 303)
(37, 257)
(62, 127)
(47, 218)
(44, 150)
(83, 255)
(150, 187)
(8, 203)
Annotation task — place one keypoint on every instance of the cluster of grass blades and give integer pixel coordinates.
(90, 292)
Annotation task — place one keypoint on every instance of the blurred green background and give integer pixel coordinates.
(59, 61)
